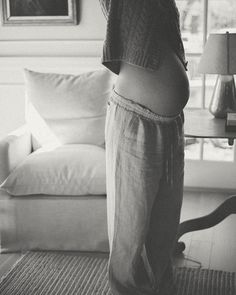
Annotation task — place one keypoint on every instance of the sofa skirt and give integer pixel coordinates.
(42, 222)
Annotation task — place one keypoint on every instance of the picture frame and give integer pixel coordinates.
(39, 12)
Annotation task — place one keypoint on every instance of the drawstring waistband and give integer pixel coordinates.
(142, 110)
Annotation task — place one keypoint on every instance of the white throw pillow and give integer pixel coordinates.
(75, 169)
(66, 109)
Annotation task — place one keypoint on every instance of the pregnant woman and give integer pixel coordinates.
(144, 143)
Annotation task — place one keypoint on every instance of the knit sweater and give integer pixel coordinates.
(136, 30)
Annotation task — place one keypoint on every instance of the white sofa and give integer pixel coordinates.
(32, 216)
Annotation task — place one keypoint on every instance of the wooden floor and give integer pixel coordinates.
(213, 248)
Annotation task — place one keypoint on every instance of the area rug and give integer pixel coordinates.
(50, 273)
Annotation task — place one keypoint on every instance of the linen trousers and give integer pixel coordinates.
(145, 171)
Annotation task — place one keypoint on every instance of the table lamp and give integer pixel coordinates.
(219, 57)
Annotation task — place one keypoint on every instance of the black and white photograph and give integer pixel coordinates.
(39, 12)
(118, 147)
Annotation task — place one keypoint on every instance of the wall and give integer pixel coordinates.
(68, 49)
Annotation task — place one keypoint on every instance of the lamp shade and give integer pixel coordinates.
(219, 55)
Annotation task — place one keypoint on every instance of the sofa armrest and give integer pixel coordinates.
(13, 149)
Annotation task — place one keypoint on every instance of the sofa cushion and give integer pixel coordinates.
(75, 169)
(67, 109)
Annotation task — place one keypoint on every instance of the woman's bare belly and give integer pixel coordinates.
(164, 91)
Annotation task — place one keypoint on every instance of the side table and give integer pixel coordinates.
(199, 123)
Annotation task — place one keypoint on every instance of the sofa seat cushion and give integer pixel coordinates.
(67, 109)
(75, 169)
(53, 223)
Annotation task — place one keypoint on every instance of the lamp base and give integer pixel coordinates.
(224, 96)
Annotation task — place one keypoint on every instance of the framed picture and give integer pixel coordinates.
(40, 12)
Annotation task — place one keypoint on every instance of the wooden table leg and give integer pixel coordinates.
(220, 213)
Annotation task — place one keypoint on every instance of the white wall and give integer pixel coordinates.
(68, 49)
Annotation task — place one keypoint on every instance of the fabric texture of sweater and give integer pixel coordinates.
(136, 30)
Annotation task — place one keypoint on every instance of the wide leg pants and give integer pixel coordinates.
(145, 170)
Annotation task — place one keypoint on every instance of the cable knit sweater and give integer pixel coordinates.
(136, 30)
